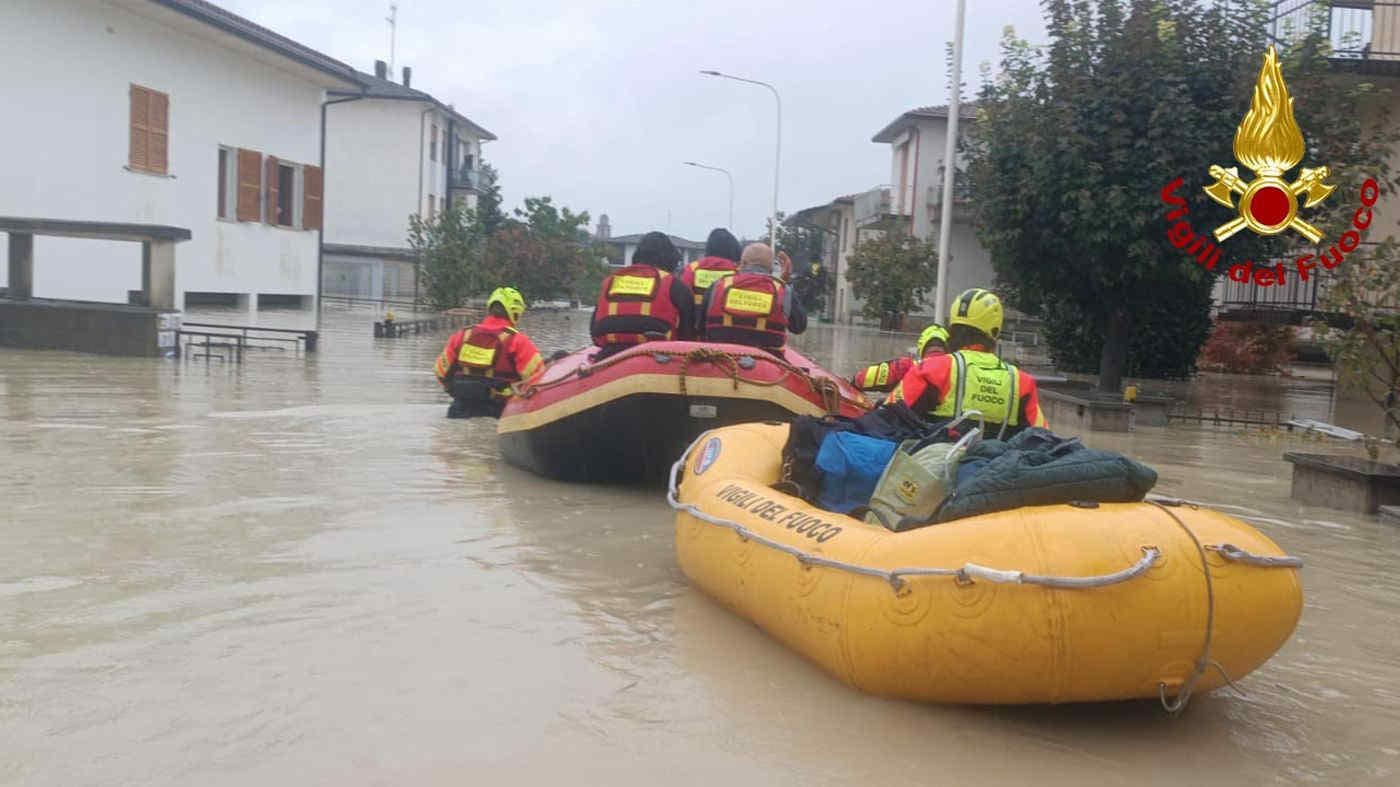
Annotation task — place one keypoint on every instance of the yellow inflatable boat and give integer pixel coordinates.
(1047, 604)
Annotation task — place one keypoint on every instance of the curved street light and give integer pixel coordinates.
(778, 152)
(730, 226)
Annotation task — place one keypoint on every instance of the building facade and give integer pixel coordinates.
(392, 152)
(169, 112)
(917, 141)
(622, 247)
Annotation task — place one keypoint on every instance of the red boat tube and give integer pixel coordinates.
(626, 418)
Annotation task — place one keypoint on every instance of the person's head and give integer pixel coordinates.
(657, 250)
(722, 244)
(506, 302)
(933, 341)
(974, 319)
(757, 258)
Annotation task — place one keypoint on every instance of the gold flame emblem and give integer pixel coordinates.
(1269, 142)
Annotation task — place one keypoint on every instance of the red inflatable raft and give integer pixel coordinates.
(627, 417)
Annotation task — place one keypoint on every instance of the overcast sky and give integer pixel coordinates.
(597, 102)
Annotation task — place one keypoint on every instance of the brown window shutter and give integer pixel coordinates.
(249, 184)
(311, 189)
(158, 133)
(270, 179)
(140, 118)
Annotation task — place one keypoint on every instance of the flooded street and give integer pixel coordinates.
(297, 571)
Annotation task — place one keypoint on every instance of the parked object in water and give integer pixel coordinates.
(626, 417)
(1050, 604)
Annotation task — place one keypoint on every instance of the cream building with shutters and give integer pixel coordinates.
(170, 112)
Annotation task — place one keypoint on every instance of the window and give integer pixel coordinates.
(228, 182)
(149, 131)
(432, 206)
(287, 202)
(432, 144)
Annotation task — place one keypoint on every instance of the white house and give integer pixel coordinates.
(170, 112)
(917, 140)
(392, 151)
(622, 247)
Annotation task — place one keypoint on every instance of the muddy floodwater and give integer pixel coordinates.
(296, 571)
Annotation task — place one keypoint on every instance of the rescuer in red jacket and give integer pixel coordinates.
(721, 259)
(885, 376)
(972, 377)
(643, 302)
(752, 307)
(479, 363)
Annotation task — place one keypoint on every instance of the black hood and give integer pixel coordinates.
(722, 243)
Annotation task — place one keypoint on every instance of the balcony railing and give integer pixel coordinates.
(1365, 33)
(464, 178)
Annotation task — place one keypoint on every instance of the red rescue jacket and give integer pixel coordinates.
(747, 308)
(632, 303)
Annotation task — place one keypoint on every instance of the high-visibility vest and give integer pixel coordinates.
(483, 354)
(747, 308)
(703, 273)
(632, 303)
(983, 382)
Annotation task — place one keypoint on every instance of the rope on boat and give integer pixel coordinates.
(972, 572)
(968, 573)
(826, 388)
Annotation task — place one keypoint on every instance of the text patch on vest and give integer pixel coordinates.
(632, 285)
(472, 355)
(748, 302)
(704, 277)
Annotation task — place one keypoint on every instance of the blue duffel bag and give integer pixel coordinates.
(850, 466)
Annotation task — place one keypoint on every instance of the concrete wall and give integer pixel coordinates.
(373, 173)
(107, 329)
(367, 277)
(969, 263)
(70, 64)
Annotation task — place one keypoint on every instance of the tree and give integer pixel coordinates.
(805, 244)
(891, 272)
(544, 251)
(488, 200)
(449, 248)
(1071, 149)
(1366, 354)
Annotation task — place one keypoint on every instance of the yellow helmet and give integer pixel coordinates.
(933, 333)
(510, 299)
(979, 309)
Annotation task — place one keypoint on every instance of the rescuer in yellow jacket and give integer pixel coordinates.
(972, 377)
(885, 376)
(479, 363)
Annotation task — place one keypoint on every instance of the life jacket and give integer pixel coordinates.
(483, 354)
(983, 382)
(747, 308)
(632, 303)
(705, 272)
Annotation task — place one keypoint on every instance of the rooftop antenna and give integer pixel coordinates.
(393, 20)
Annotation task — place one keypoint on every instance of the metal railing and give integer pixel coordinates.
(201, 339)
(1366, 31)
(464, 178)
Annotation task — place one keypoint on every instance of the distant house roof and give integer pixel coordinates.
(374, 87)
(966, 111)
(803, 216)
(250, 31)
(681, 243)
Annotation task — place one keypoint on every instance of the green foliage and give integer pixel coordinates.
(1170, 327)
(891, 272)
(544, 250)
(1072, 148)
(1248, 348)
(1366, 288)
(450, 250)
(806, 245)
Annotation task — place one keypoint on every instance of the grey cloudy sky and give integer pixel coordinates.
(597, 102)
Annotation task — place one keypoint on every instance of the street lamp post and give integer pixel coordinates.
(778, 152)
(730, 225)
(950, 168)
